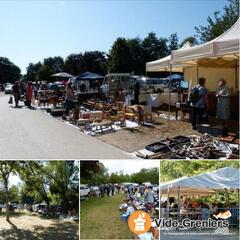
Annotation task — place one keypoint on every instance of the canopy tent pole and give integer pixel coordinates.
(238, 195)
(169, 97)
(236, 74)
(197, 72)
(178, 201)
(168, 202)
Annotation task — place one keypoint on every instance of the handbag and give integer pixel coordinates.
(10, 101)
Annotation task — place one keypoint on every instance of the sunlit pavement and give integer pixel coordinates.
(32, 134)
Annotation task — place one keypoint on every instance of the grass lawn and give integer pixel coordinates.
(100, 219)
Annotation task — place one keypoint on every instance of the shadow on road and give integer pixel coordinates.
(16, 107)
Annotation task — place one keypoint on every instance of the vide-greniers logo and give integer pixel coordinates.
(139, 222)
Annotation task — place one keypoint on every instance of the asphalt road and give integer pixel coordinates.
(32, 134)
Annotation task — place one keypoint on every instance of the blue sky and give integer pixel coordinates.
(33, 30)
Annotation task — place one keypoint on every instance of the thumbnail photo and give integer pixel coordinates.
(39, 200)
(119, 199)
(199, 200)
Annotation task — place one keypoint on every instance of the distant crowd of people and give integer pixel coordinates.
(109, 189)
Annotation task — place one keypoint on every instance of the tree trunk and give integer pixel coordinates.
(7, 198)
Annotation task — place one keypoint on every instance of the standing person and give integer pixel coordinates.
(112, 189)
(108, 190)
(149, 195)
(149, 198)
(16, 93)
(223, 102)
(69, 104)
(102, 190)
(35, 89)
(198, 102)
(136, 92)
(29, 94)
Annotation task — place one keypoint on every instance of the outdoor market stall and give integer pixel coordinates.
(213, 60)
(205, 184)
(135, 200)
(88, 83)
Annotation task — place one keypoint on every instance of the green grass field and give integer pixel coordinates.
(100, 219)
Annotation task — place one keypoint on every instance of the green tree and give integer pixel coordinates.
(120, 57)
(154, 48)
(63, 181)
(173, 42)
(32, 174)
(73, 62)
(56, 64)
(136, 51)
(32, 70)
(44, 73)
(9, 72)
(191, 39)
(7, 168)
(218, 24)
(94, 61)
(175, 169)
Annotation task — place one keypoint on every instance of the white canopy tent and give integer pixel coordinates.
(164, 64)
(225, 46)
(63, 75)
(204, 184)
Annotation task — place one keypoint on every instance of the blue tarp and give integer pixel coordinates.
(175, 77)
(89, 76)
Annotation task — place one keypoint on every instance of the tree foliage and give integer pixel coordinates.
(97, 173)
(175, 169)
(52, 182)
(191, 39)
(9, 72)
(218, 24)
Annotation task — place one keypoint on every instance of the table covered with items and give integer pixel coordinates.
(136, 201)
(192, 147)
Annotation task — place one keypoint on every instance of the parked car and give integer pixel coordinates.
(56, 210)
(110, 82)
(8, 89)
(156, 83)
(84, 190)
(155, 187)
(38, 207)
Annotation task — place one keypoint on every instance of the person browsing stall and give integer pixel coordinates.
(223, 102)
(198, 103)
(69, 97)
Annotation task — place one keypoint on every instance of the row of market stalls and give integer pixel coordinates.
(224, 180)
(214, 60)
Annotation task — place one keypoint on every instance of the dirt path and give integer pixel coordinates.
(30, 227)
(131, 140)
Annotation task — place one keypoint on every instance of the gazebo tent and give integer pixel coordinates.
(213, 60)
(62, 75)
(205, 183)
(89, 76)
(164, 64)
(226, 46)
